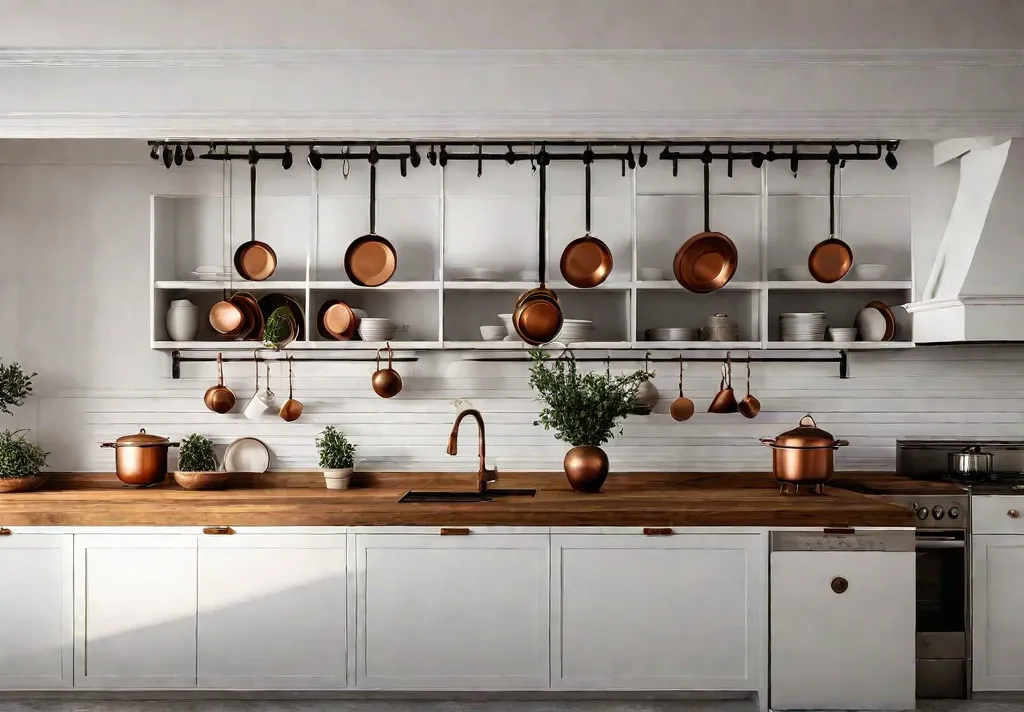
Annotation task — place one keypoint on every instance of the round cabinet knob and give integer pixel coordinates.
(839, 584)
(922, 513)
(953, 513)
(1013, 514)
(938, 512)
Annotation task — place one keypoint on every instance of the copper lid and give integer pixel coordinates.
(806, 435)
(142, 438)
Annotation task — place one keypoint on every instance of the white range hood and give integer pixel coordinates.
(975, 291)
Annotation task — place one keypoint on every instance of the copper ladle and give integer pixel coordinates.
(682, 407)
(750, 406)
(291, 409)
(725, 400)
(219, 398)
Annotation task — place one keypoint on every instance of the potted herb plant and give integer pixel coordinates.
(15, 386)
(584, 410)
(336, 454)
(280, 329)
(20, 462)
(197, 465)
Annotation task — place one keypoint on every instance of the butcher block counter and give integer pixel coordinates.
(300, 499)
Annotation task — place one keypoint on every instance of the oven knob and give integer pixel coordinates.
(954, 512)
(938, 511)
(922, 513)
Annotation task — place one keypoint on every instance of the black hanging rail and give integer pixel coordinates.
(177, 359)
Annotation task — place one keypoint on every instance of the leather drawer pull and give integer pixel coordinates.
(1013, 514)
(218, 530)
(4, 531)
(658, 531)
(454, 531)
(839, 584)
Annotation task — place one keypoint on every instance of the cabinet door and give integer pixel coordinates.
(36, 600)
(135, 610)
(998, 580)
(452, 612)
(842, 649)
(272, 611)
(680, 612)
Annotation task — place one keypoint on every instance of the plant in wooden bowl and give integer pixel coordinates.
(20, 462)
(584, 410)
(197, 465)
(336, 457)
(280, 329)
(15, 386)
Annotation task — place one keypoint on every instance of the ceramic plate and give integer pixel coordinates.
(247, 455)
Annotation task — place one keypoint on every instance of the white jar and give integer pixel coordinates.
(338, 479)
(182, 320)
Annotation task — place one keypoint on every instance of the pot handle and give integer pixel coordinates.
(842, 443)
(767, 441)
(108, 445)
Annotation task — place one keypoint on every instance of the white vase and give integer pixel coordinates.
(338, 479)
(182, 320)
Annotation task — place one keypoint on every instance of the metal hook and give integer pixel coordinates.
(510, 155)
(479, 160)
(346, 167)
(432, 155)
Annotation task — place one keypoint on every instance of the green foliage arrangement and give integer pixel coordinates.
(279, 327)
(15, 386)
(195, 454)
(336, 452)
(582, 408)
(18, 456)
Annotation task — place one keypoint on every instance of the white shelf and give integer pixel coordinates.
(521, 346)
(698, 345)
(234, 285)
(345, 285)
(294, 346)
(674, 285)
(842, 285)
(837, 345)
(497, 286)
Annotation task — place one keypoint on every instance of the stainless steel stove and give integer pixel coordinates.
(927, 459)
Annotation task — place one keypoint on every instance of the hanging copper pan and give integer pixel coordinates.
(371, 260)
(254, 260)
(708, 260)
(586, 261)
(831, 259)
(537, 318)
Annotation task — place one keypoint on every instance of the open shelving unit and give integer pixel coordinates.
(445, 220)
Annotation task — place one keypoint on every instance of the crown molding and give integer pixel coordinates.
(283, 57)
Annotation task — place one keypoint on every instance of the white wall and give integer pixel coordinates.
(74, 221)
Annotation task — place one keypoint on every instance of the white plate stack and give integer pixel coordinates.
(670, 333)
(802, 326)
(575, 330)
(208, 273)
(377, 329)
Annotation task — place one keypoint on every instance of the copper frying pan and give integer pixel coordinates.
(831, 259)
(371, 260)
(586, 261)
(708, 260)
(537, 318)
(254, 260)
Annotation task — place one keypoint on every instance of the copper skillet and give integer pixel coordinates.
(254, 260)
(586, 261)
(537, 318)
(831, 259)
(371, 260)
(708, 260)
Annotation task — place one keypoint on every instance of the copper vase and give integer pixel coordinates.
(586, 467)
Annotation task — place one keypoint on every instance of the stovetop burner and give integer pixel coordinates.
(992, 483)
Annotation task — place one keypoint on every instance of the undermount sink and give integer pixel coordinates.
(489, 495)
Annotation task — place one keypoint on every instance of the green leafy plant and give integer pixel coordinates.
(280, 327)
(582, 408)
(15, 386)
(335, 450)
(18, 456)
(195, 454)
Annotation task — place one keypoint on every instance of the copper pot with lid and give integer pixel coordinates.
(141, 458)
(803, 456)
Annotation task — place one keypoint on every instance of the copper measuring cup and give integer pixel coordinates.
(750, 406)
(682, 407)
(725, 400)
(219, 398)
(291, 409)
(387, 382)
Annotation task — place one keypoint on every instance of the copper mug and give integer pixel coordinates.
(387, 383)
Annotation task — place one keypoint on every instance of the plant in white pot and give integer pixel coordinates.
(336, 454)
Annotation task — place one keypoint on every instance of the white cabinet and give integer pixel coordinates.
(679, 612)
(998, 576)
(842, 629)
(272, 611)
(135, 610)
(452, 612)
(36, 605)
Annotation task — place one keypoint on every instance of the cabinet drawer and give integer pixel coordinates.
(997, 514)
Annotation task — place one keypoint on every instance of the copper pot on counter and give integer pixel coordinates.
(803, 456)
(141, 458)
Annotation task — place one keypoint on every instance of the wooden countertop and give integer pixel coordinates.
(300, 499)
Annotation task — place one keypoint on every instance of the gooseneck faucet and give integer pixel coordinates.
(484, 476)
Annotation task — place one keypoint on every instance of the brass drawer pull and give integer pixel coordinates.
(839, 584)
(1013, 514)
(658, 531)
(218, 530)
(454, 531)
(4, 531)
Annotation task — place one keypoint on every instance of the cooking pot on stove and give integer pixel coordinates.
(141, 458)
(970, 462)
(804, 455)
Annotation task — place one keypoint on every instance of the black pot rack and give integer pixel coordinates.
(631, 153)
(177, 359)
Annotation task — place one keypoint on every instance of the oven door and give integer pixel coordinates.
(942, 643)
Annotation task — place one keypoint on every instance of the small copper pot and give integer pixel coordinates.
(387, 382)
(586, 467)
(141, 458)
(804, 455)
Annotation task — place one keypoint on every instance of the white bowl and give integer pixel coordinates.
(377, 329)
(795, 273)
(870, 324)
(870, 272)
(493, 333)
(483, 274)
(507, 320)
(652, 274)
(843, 333)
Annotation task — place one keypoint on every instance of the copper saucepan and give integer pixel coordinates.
(830, 260)
(254, 260)
(371, 260)
(219, 398)
(537, 318)
(708, 260)
(586, 261)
